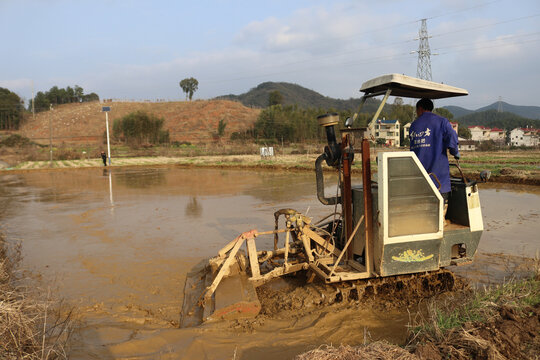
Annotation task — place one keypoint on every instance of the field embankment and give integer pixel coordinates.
(506, 167)
(499, 323)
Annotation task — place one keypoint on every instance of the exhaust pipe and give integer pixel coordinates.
(332, 155)
(320, 183)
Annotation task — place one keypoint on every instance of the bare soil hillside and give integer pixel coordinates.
(195, 121)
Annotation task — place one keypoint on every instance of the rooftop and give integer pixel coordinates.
(407, 86)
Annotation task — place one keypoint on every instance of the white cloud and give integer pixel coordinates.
(17, 85)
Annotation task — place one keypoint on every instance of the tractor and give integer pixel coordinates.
(392, 227)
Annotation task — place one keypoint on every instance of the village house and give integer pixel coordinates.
(387, 130)
(497, 135)
(466, 145)
(524, 137)
(480, 133)
(406, 130)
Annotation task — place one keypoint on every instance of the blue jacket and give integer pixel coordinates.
(430, 135)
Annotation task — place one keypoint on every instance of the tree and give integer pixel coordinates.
(11, 110)
(189, 86)
(464, 132)
(275, 98)
(221, 127)
(444, 113)
(57, 96)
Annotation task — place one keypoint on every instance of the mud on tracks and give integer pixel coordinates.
(292, 297)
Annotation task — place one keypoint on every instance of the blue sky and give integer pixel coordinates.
(142, 49)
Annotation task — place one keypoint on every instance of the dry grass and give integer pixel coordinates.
(29, 328)
(378, 350)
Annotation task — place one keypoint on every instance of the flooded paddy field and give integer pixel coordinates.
(117, 245)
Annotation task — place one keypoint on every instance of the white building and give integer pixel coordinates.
(524, 137)
(497, 135)
(480, 133)
(466, 145)
(406, 130)
(387, 130)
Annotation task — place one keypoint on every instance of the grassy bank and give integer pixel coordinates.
(499, 323)
(502, 322)
(29, 328)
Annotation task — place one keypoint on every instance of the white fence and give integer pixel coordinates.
(267, 152)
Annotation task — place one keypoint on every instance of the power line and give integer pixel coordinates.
(485, 25)
(377, 59)
(365, 49)
(506, 38)
(462, 10)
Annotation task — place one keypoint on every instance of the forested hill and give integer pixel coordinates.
(293, 94)
(492, 118)
(529, 112)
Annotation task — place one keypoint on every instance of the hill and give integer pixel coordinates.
(194, 121)
(529, 112)
(294, 94)
(492, 118)
(458, 111)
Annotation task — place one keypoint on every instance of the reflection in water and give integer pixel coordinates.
(145, 179)
(193, 208)
(111, 193)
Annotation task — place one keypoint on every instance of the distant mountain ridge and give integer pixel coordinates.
(529, 112)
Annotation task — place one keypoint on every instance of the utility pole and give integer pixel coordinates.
(106, 110)
(33, 102)
(50, 134)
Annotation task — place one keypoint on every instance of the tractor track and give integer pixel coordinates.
(387, 292)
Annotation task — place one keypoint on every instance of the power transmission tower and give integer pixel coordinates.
(499, 107)
(423, 69)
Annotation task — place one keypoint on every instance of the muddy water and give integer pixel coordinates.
(118, 245)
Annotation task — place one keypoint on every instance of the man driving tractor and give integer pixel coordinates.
(430, 135)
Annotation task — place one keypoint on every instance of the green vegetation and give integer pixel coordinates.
(478, 306)
(221, 128)
(56, 96)
(275, 98)
(294, 94)
(11, 110)
(16, 140)
(287, 123)
(189, 86)
(140, 128)
(503, 120)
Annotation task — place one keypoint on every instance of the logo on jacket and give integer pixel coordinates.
(426, 132)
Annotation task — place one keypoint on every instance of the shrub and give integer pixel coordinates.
(16, 140)
(140, 128)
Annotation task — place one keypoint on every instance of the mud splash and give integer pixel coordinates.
(118, 245)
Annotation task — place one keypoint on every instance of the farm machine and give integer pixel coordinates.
(392, 227)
